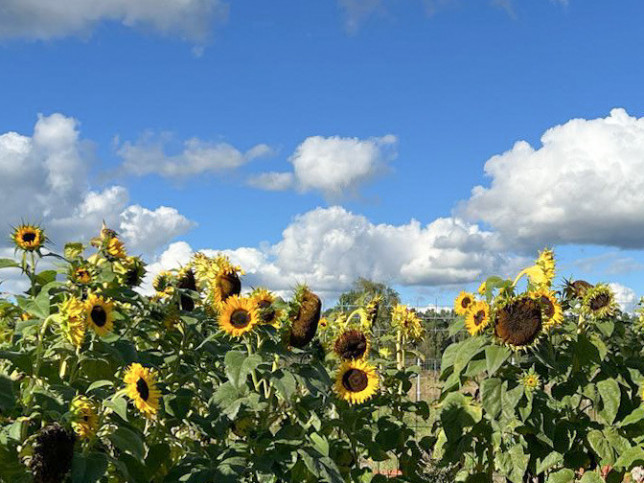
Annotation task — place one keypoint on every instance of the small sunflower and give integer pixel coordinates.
(599, 301)
(406, 320)
(225, 284)
(482, 288)
(530, 380)
(477, 318)
(351, 345)
(85, 419)
(142, 389)
(28, 237)
(99, 314)
(73, 320)
(371, 310)
(163, 284)
(186, 280)
(551, 311)
(323, 324)
(105, 235)
(356, 381)
(518, 322)
(463, 302)
(263, 300)
(115, 248)
(238, 315)
(81, 275)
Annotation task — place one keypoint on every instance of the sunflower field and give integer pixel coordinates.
(198, 382)
(202, 381)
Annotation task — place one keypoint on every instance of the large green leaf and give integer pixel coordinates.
(470, 348)
(629, 457)
(127, 440)
(239, 365)
(610, 396)
(561, 476)
(88, 468)
(7, 396)
(495, 356)
(491, 394)
(8, 262)
(601, 447)
(591, 477)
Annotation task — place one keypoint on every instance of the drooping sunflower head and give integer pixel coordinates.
(356, 381)
(477, 318)
(482, 288)
(28, 237)
(551, 311)
(351, 345)
(225, 284)
(599, 301)
(238, 315)
(264, 303)
(536, 275)
(104, 236)
(186, 281)
(142, 389)
(73, 320)
(463, 302)
(99, 314)
(371, 309)
(53, 451)
(85, 417)
(530, 381)
(575, 290)
(304, 324)
(518, 322)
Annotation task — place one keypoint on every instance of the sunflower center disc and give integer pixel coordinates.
(142, 389)
(548, 308)
(465, 303)
(519, 322)
(599, 302)
(355, 380)
(99, 317)
(28, 237)
(240, 319)
(479, 318)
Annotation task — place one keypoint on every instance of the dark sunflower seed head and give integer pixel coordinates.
(53, 453)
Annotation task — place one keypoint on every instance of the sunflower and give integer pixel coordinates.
(599, 301)
(73, 320)
(352, 344)
(238, 315)
(99, 314)
(530, 380)
(576, 289)
(407, 321)
(28, 237)
(131, 271)
(115, 248)
(323, 323)
(105, 235)
(537, 276)
(356, 381)
(463, 302)
(477, 318)
(371, 310)
(225, 284)
(305, 323)
(263, 300)
(482, 288)
(53, 451)
(163, 284)
(85, 419)
(81, 275)
(186, 280)
(551, 311)
(518, 322)
(142, 389)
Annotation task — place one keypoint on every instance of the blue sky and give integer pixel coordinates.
(426, 92)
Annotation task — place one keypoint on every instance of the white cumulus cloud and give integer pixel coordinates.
(329, 248)
(625, 297)
(584, 184)
(44, 178)
(45, 19)
(149, 156)
(335, 166)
